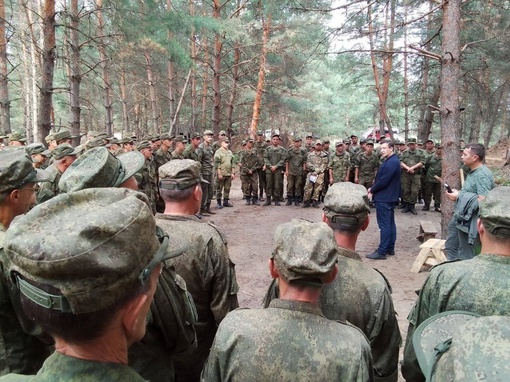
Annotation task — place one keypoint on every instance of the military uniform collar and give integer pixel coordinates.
(300, 306)
(177, 217)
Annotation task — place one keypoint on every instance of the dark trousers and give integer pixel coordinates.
(249, 185)
(434, 189)
(262, 183)
(207, 191)
(456, 245)
(294, 185)
(274, 183)
(387, 227)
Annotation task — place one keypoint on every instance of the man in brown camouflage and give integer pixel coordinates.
(316, 165)
(339, 166)
(205, 266)
(250, 164)
(291, 340)
(366, 165)
(295, 168)
(225, 173)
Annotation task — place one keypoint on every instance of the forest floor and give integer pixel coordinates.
(249, 231)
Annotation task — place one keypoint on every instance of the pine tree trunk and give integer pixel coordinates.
(44, 118)
(152, 93)
(107, 86)
(124, 100)
(233, 92)
(450, 114)
(5, 103)
(205, 84)
(218, 46)
(75, 78)
(262, 74)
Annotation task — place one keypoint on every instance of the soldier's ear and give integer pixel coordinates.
(272, 269)
(197, 192)
(324, 218)
(365, 224)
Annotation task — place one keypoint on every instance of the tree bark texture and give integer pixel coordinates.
(107, 86)
(450, 114)
(75, 78)
(5, 103)
(218, 46)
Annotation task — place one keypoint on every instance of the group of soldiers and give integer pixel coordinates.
(93, 284)
(312, 168)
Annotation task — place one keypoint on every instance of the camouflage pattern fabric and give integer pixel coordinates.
(274, 156)
(161, 157)
(367, 167)
(296, 159)
(48, 190)
(148, 183)
(361, 296)
(191, 153)
(206, 159)
(261, 345)
(480, 285)
(411, 182)
(261, 148)
(316, 163)
(59, 367)
(339, 165)
(224, 162)
(210, 276)
(480, 181)
(20, 351)
(176, 155)
(250, 164)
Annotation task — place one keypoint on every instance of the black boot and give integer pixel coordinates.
(405, 208)
(208, 209)
(261, 197)
(268, 201)
(296, 201)
(306, 204)
(203, 212)
(412, 209)
(248, 200)
(276, 200)
(226, 203)
(255, 202)
(425, 208)
(219, 206)
(289, 201)
(315, 204)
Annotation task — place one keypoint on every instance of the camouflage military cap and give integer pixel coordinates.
(98, 167)
(339, 142)
(325, 141)
(347, 141)
(195, 135)
(362, 140)
(180, 174)
(49, 138)
(243, 143)
(309, 135)
(64, 134)
(143, 145)
(92, 134)
(297, 139)
(353, 136)
(495, 211)
(181, 138)
(433, 332)
(438, 146)
(420, 143)
(208, 132)
(16, 136)
(166, 136)
(260, 133)
(113, 140)
(102, 135)
(347, 203)
(411, 140)
(249, 140)
(226, 140)
(75, 243)
(275, 135)
(37, 148)
(479, 351)
(3, 136)
(16, 170)
(318, 142)
(305, 251)
(64, 150)
(95, 142)
(370, 142)
(429, 140)
(155, 138)
(223, 132)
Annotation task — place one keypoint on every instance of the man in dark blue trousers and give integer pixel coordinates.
(386, 192)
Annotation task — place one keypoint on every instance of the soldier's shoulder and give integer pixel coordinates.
(15, 378)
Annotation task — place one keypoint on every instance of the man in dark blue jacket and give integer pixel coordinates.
(386, 192)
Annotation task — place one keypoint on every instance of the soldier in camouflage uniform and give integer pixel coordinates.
(191, 152)
(260, 145)
(460, 346)
(433, 186)
(262, 344)
(412, 161)
(274, 165)
(205, 266)
(295, 168)
(63, 155)
(359, 294)
(39, 155)
(225, 173)
(180, 146)
(20, 352)
(366, 165)
(250, 164)
(95, 282)
(206, 159)
(221, 137)
(339, 165)
(163, 154)
(316, 165)
(480, 285)
(354, 149)
(428, 152)
(147, 177)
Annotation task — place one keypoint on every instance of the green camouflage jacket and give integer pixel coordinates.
(317, 162)
(296, 160)
(161, 157)
(224, 161)
(339, 165)
(206, 159)
(433, 166)
(274, 156)
(250, 161)
(289, 341)
(48, 190)
(410, 158)
(367, 164)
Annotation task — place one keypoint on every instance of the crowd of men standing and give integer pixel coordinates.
(150, 293)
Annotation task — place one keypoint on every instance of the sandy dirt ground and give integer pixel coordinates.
(249, 231)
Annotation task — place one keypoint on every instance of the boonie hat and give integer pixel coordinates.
(305, 251)
(346, 202)
(74, 243)
(16, 170)
(98, 167)
(180, 174)
(495, 211)
(63, 150)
